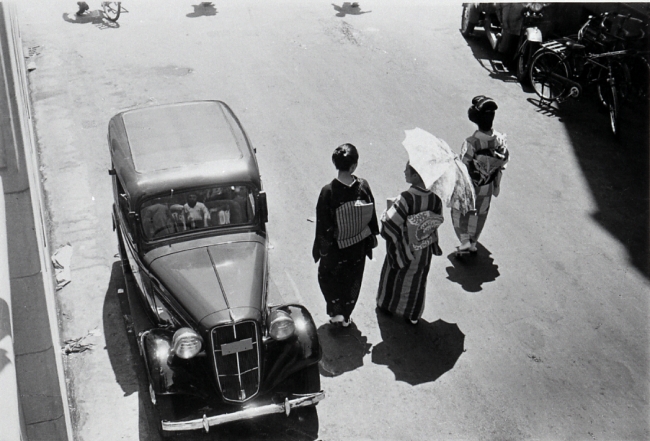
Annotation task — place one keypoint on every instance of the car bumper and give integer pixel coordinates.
(206, 422)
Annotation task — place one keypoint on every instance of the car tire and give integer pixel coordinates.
(466, 25)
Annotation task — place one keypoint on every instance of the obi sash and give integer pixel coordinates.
(422, 229)
(352, 220)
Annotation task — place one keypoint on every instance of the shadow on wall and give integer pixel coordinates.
(418, 354)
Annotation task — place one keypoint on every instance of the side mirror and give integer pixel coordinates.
(111, 171)
(264, 209)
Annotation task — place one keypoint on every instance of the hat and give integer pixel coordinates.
(484, 104)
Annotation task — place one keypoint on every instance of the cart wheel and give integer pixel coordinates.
(547, 72)
(466, 26)
(112, 10)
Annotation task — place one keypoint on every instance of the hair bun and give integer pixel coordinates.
(483, 103)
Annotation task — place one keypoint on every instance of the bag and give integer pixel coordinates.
(422, 229)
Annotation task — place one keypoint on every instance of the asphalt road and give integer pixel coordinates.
(543, 336)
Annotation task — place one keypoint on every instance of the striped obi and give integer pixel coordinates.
(352, 219)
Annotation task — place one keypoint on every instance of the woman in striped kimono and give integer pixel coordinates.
(485, 154)
(346, 233)
(403, 282)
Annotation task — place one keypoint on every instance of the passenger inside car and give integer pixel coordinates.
(196, 213)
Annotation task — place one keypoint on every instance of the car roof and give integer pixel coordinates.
(180, 145)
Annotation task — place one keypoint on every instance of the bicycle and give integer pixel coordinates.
(112, 10)
(561, 68)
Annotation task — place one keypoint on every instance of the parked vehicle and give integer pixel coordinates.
(598, 57)
(513, 29)
(190, 217)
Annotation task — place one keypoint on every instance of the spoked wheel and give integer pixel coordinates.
(466, 28)
(112, 10)
(613, 109)
(548, 72)
(637, 89)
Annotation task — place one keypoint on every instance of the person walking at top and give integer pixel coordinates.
(486, 155)
(346, 230)
(410, 229)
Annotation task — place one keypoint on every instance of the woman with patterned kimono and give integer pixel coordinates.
(346, 230)
(486, 155)
(410, 229)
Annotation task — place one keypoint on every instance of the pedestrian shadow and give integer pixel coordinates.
(471, 271)
(347, 8)
(343, 349)
(93, 17)
(417, 354)
(203, 9)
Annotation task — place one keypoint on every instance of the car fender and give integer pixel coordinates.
(283, 358)
(169, 375)
(534, 34)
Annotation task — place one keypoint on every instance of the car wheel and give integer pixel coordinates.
(466, 26)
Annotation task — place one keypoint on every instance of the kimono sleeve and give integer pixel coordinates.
(392, 229)
(325, 225)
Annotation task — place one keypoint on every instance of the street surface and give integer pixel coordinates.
(544, 335)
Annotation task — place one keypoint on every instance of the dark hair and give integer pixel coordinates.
(481, 112)
(345, 156)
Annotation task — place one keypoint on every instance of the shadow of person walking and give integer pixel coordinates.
(471, 271)
(343, 349)
(348, 8)
(417, 354)
(203, 9)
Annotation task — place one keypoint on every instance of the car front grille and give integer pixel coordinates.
(237, 360)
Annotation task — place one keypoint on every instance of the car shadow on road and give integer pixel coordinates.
(471, 271)
(417, 354)
(343, 349)
(121, 349)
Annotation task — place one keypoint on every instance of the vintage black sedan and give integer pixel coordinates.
(190, 217)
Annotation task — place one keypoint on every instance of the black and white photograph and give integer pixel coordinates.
(304, 220)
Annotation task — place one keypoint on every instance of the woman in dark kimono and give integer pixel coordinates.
(410, 229)
(346, 230)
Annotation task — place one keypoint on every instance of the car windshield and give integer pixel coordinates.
(181, 211)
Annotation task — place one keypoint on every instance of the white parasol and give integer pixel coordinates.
(441, 170)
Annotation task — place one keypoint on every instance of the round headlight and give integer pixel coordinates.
(536, 7)
(186, 343)
(281, 325)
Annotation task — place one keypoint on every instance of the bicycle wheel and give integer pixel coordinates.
(548, 72)
(112, 10)
(638, 85)
(611, 98)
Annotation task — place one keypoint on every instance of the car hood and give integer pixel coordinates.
(218, 283)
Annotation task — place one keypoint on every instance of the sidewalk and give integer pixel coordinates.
(41, 385)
